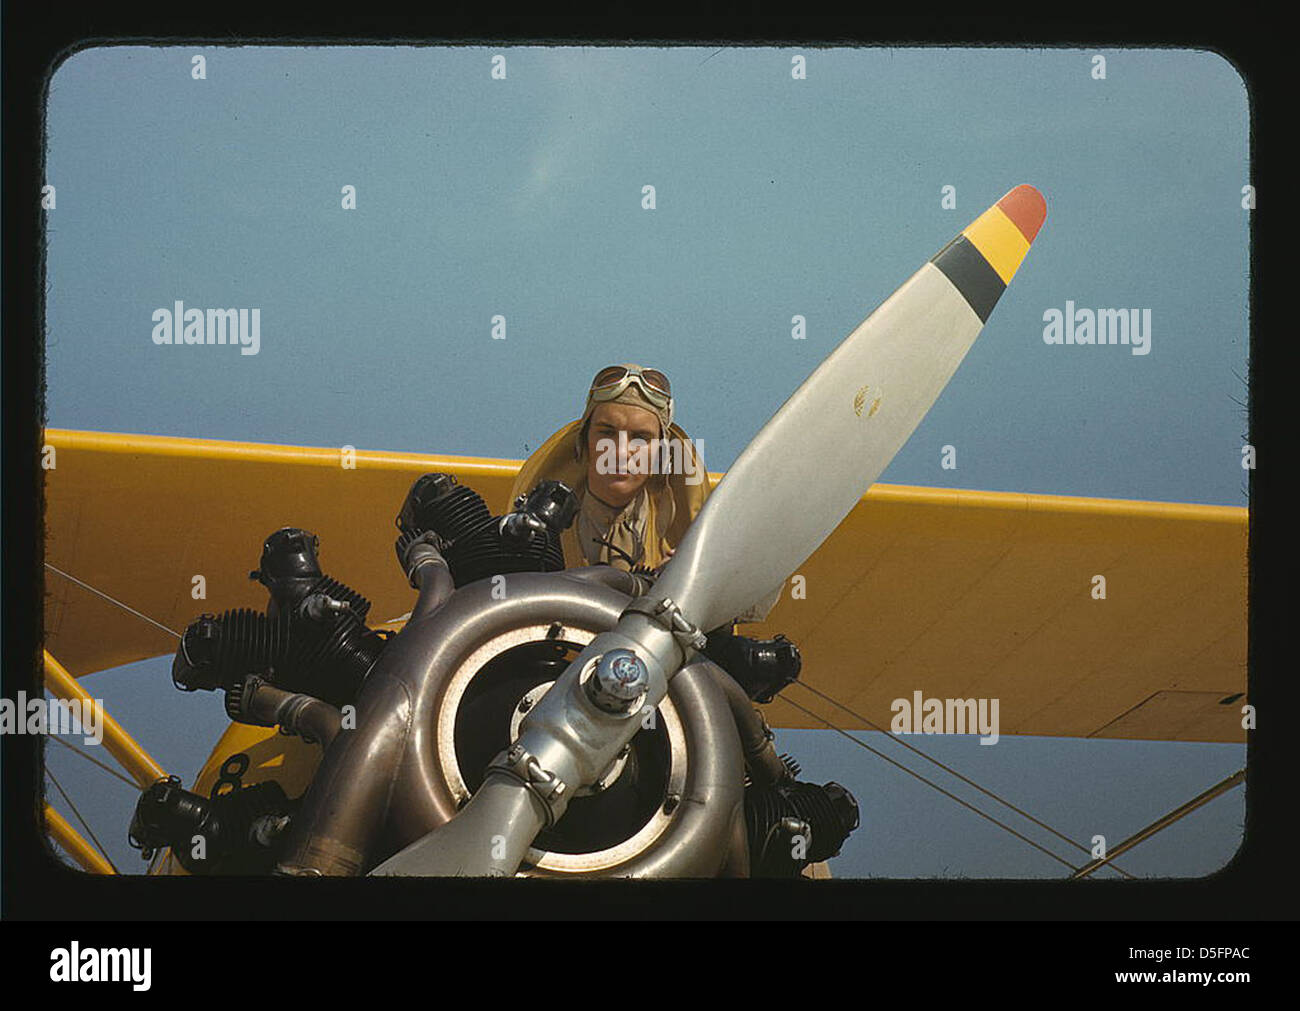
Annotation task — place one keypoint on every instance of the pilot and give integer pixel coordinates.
(638, 477)
(640, 483)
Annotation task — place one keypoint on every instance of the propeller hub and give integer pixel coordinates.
(619, 682)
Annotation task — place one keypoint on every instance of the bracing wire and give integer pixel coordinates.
(95, 761)
(946, 793)
(113, 600)
(951, 771)
(157, 624)
(89, 832)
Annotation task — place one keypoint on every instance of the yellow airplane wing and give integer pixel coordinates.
(956, 594)
(968, 594)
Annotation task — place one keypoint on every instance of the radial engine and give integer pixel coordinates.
(408, 723)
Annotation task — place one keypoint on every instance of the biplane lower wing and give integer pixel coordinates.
(953, 594)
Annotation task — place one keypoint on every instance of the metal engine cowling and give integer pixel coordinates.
(439, 704)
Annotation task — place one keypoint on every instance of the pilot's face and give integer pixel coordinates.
(614, 484)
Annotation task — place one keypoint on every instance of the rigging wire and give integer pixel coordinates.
(89, 832)
(965, 779)
(107, 768)
(1162, 823)
(157, 624)
(946, 793)
(114, 600)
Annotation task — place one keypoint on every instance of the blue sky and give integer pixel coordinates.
(775, 197)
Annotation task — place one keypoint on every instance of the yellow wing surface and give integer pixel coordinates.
(955, 594)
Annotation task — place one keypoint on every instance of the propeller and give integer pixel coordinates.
(785, 494)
